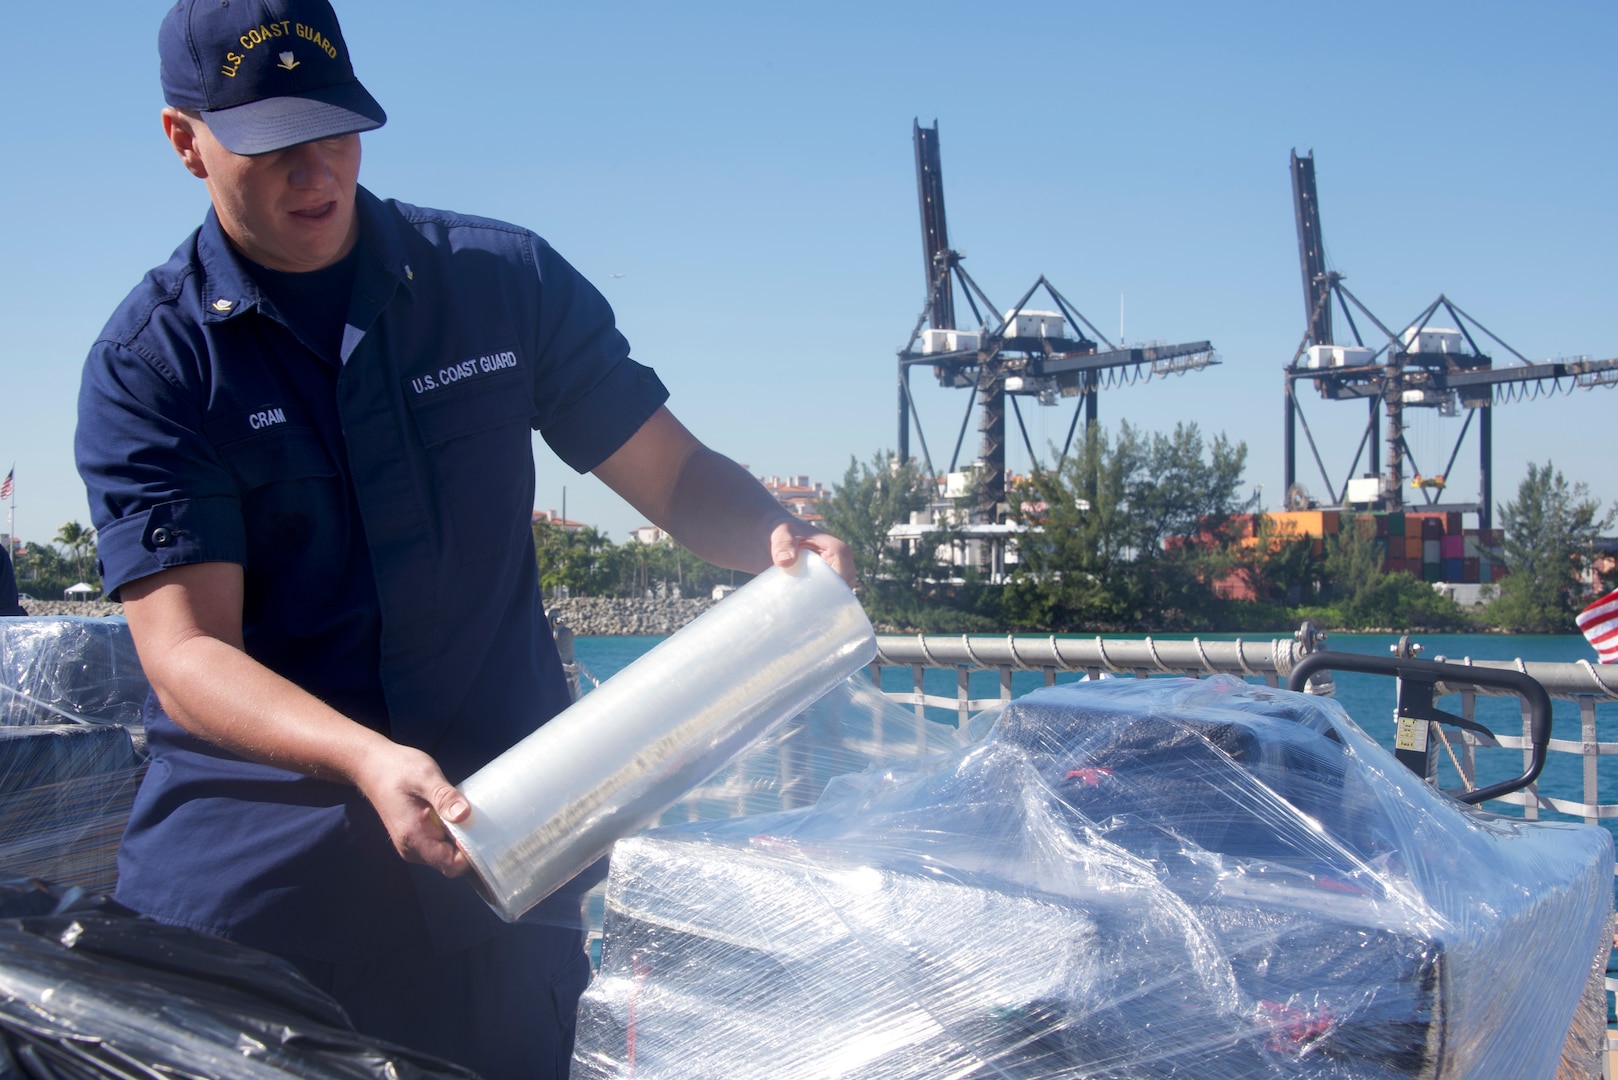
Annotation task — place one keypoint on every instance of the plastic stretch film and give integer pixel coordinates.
(70, 668)
(1126, 879)
(554, 803)
(72, 750)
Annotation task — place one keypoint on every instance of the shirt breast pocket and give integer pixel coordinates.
(290, 494)
(478, 441)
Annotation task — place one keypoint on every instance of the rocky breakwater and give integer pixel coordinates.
(95, 609)
(595, 616)
(586, 616)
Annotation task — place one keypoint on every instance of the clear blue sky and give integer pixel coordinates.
(747, 170)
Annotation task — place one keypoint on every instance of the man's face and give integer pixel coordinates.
(290, 209)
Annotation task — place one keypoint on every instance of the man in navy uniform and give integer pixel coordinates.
(306, 440)
(8, 585)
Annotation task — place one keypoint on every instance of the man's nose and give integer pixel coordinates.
(310, 166)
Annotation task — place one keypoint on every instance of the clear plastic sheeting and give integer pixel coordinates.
(89, 990)
(1125, 879)
(1586, 1041)
(72, 750)
(70, 668)
(854, 727)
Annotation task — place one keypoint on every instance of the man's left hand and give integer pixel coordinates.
(789, 537)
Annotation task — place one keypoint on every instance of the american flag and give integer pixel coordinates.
(1599, 622)
(5, 487)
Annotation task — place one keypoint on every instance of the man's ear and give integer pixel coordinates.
(182, 135)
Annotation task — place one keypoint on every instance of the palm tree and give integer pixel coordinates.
(80, 542)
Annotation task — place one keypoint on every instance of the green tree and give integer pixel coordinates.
(79, 544)
(1130, 532)
(1551, 528)
(1364, 597)
(1353, 563)
(897, 581)
(1279, 566)
(634, 569)
(569, 559)
(862, 509)
(42, 572)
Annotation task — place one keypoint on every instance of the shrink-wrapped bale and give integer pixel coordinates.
(1126, 879)
(72, 749)
(67, 666)
(65, 794)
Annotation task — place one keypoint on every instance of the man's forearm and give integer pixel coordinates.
(186, 622)
(216, 691)
(719, 512)
(710, 504)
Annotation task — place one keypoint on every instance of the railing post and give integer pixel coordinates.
(963, 678)
(1530, 809)
(1590, 742)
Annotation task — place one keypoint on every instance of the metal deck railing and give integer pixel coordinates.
(1582, 683)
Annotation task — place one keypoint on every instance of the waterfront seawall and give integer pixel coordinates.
(95, 609)
(595, 616)
(586, 616)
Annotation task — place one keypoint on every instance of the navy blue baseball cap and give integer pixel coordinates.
(264, 74)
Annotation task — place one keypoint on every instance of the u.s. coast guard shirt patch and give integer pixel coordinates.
(474, 369)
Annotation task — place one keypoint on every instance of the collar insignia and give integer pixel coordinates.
(223, 305)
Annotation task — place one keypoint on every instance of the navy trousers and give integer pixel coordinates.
(504, 1008)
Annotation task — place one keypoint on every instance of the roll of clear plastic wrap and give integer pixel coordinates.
(554, 803)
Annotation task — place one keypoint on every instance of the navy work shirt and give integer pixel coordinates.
(380, 503)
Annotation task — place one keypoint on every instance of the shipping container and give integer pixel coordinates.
(1453, 569)
(1396, 524)
(1413, 548)
(1307, 522)
(1432, 572)
(1430, 552)
(1470, 571)
(1453, 546)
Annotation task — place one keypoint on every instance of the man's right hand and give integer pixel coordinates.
(413, 799)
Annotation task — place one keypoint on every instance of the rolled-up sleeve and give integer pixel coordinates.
(590, 397)
(159, 495)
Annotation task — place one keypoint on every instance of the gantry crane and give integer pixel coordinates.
(1023, 352)
(1421, 366)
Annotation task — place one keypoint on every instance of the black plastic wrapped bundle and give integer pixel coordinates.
(88, 990)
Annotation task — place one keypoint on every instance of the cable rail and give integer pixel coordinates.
(1272, 660)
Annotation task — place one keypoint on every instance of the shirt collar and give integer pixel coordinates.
(228, 288)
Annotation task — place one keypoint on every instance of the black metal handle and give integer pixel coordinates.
(1425, 673)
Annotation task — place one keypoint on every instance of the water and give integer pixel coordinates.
(1369, 699)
